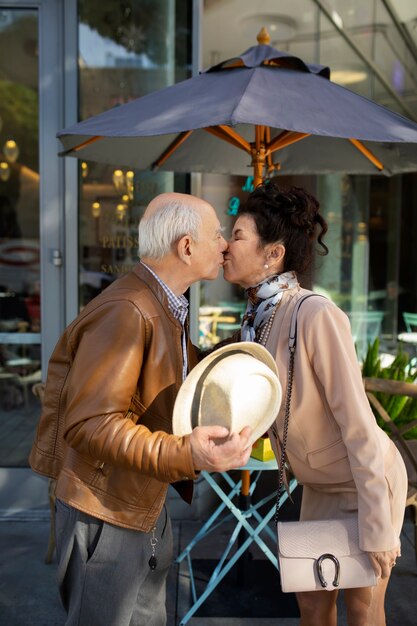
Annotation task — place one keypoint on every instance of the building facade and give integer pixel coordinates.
(69, 227)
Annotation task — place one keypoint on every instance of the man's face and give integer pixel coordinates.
(210, 246)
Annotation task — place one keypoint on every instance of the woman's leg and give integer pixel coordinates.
(317, 607)
(365, 606)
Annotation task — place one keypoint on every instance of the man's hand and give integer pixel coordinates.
(214, 449)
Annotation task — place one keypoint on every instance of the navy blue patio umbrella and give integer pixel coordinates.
(273, 111)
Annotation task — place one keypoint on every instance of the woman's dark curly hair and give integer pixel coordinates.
(290, 217)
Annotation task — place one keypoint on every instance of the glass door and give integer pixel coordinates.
(145, 47)
(68, 228)
(20, 299)
(32, 305)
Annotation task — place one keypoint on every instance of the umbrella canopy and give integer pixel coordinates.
(272, 111)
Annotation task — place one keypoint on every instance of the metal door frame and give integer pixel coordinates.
(23, 493)
(58, 193)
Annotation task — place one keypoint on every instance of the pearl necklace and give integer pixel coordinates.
(266, 328)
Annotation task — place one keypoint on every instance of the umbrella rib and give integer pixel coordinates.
(81, 145)
(229, 135)
(367, 153)
(171, 148)
(286, 138)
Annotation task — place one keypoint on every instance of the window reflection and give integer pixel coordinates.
(369, 272)
(19, 169)
(20, 364)
(360, 274)
(125, 51)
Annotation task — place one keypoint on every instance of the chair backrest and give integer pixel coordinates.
(407, 447)
(410, 321)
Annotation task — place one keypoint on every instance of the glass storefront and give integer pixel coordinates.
(125, 50)
(364, 271)
(144, 47)
(20, 332)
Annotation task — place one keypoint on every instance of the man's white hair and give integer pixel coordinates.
(166, 225)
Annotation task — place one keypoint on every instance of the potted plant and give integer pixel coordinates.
(402, 409)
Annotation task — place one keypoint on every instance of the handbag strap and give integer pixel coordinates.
(292, 343)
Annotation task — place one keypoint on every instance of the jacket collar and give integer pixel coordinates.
(147, 277)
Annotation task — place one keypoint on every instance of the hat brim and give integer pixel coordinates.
(183, 407)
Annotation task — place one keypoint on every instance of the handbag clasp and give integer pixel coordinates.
(319, 562)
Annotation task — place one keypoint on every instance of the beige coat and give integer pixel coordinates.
(335, 446)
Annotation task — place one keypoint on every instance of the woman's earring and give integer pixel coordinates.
(266, 266)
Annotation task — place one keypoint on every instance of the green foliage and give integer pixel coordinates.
(401, 409)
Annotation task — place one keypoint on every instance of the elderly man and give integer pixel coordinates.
(105, 429)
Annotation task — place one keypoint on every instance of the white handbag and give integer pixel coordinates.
(322, 555)
(319, 554)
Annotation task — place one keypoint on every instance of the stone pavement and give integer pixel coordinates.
(28, 596)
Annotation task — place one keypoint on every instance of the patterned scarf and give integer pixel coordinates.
(262, 301)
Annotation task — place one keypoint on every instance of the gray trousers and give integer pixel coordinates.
(103, 572)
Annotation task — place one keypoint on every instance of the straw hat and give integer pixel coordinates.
(235, 386)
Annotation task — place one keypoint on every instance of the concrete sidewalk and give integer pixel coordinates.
(28, 596)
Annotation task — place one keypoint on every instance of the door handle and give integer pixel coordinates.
(56, 258)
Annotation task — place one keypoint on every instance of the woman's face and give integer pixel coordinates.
(244, 259)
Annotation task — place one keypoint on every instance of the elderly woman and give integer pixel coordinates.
(347, 465)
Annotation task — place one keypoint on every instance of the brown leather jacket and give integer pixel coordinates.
(110, 391)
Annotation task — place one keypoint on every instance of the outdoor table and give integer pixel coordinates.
(248, 520)
(408, 338)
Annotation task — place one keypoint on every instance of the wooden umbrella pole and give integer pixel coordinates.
(258, 177)
(258, 155)
(245, 477)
